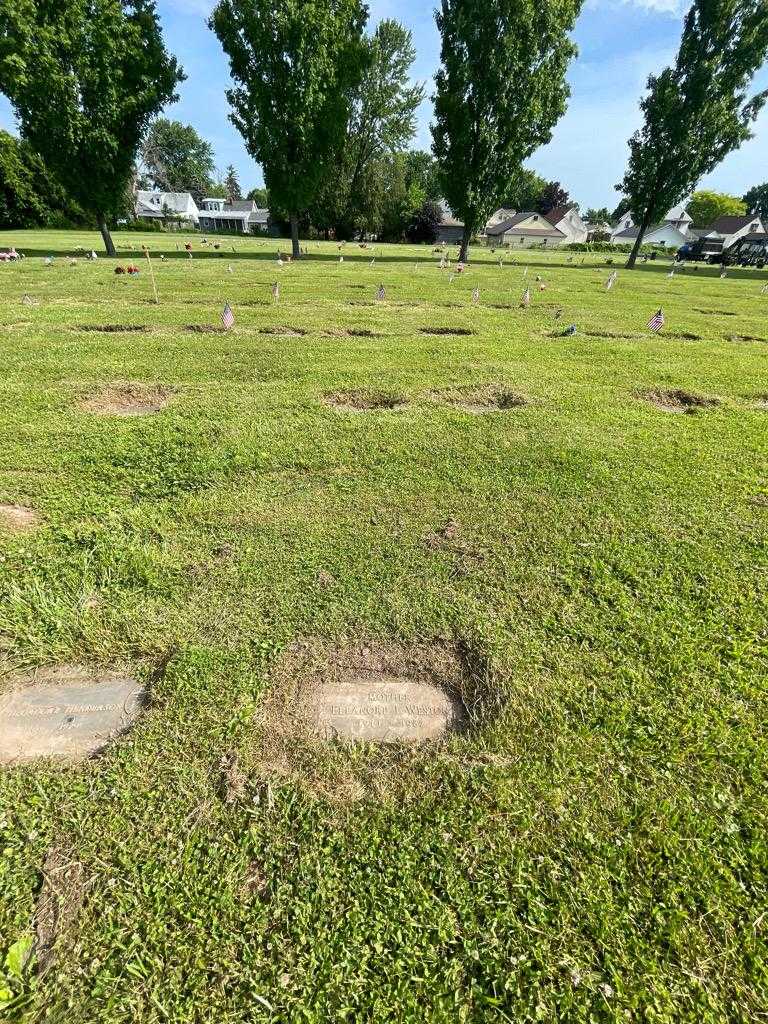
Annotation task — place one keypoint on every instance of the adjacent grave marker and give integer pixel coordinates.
(383, 708)
(65, 712)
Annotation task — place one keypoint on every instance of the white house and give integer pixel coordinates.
(525, 230)
(241, 217)
(672, 232)
(569, 222)
(731, 229)
(658, 234)
(167, 206)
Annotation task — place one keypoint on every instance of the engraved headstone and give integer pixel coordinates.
(383, 709)
(65, 712)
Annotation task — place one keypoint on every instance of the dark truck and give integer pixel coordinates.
(708, 250)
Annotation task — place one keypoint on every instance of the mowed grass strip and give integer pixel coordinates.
(413, 472)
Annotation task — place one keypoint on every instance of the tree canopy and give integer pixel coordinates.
(705, 207)
(696, 112)
(553, 194)
(756, 200)
(85, 78)
(524, 191)
(598, 215)
(498, 93)
(176, 159)
(294, 64)
(232, 184)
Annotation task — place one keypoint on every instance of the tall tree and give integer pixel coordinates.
(499, 92)
(29, 197)
(598, 215)
(697, 111)
(421, 169)
(176, 159)
(524, 191)
(552, 195)
(260, 196)
(232, 184)
(756, 200)
(294, 64)
(382, 115)
(706, 206)
(85, 78)
(623, 206)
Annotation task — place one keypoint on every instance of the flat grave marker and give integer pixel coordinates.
(65, 712)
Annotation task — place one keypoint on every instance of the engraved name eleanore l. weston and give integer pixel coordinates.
(396, 709)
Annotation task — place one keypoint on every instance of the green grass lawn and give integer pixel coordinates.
(594, 848)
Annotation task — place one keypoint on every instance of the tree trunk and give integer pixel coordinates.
(465, 243)
(638, 241)
(296, 251)
(109, 245)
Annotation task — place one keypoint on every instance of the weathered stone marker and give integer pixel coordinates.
(65, 712)
(383, 709)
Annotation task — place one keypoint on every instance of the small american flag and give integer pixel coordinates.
(656, 322)
(475, 296)
(341, 259)
(526, 299)
(764, 290)
(381, 293)
(671, 273)
(276, 291)
(373, 261)
(611, 281)
(27, 300)
(722, 272)
(227, 316)
(442, 263)
(525, 272)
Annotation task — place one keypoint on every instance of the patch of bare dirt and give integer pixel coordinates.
(715, 312)
(611, 334)
(685, 336)
(450, 332)
(489, 398)
(115, 328)
(58, 903)
(352, 332)
(678, 400)
(745, 337)
(233, 781)
(205, 328)
(361, 401)
(761, 402)
(285, 332)
(18, 518)
(128, 400)
(500, 305)
(445, 534)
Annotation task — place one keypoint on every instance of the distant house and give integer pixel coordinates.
(569, 222)
(672, 232)
(170, 207)
(731, 229)
(524, 230)
(658, 234)
(498, 217)
(241, 217)
(451, 230)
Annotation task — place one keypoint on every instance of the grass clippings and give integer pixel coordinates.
(446, 332)
(115, 328)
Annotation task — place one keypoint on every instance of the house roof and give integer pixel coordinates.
(547, 230)
(727, 225)
(679, 213)
(630, 233)
(176, 202)
(259, 216)
(557, 213)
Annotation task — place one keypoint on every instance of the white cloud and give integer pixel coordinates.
(671, 7)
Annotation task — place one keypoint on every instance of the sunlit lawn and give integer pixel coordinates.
(594, 847)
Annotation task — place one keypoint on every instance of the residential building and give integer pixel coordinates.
(173, 208)
(731, 229)
(241, 217)
(567, 220)
(525, 230)
(658, 234)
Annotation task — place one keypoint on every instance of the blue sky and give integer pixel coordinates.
(620, 42)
